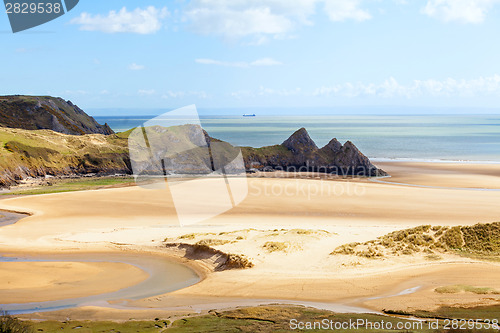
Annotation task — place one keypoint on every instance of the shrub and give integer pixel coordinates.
(212, 242)
(276, 246)
(453, 238)
(9, 324)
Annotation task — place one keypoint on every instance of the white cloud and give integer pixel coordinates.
(146, 92)
(76, 92)
(263, 91)
(242, 64)
(341, 10)
(136, 67)
(278, 92)
(139, 21)
(260, 19)
(436, 88)
(466, 11)
(182, 94)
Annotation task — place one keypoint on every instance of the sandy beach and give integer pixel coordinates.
(57, 280)
(334, 212)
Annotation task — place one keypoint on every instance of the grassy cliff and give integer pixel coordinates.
(25, 153)
(45, 112)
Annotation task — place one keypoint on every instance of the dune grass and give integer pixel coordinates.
(481, 241)
(276, 246)
(455, 289)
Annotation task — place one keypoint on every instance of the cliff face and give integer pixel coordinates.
(27, 153)
(300, 153)
(33, 113)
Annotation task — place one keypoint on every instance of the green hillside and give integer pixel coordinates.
(45, 112)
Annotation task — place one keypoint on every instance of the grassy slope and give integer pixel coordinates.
(71, 185)
(257, 319)
(39, 112)
(33, 153)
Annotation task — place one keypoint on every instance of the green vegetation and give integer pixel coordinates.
(28, 153)
(465, 288)
(71, 185)
(480, 240)
(477, 313)
(10, 324)
(102, 326)
(271, 318)
(45, 112)
(270, 152)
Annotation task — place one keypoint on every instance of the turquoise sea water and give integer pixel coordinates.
(424, 137)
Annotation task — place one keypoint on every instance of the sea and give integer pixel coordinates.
(464, 138)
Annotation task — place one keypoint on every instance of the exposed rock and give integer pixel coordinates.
(28, 153)
(300, 153)
(334, 146)
(300, 142)
(43, 112)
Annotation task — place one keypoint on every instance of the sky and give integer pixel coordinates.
(358, 54)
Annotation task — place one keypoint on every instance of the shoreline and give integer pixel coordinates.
(151, 264)
(376, 160)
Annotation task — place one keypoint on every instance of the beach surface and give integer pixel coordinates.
(22, 282)
(311, 217)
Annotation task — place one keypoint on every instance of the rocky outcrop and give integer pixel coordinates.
(300, 153)
(216, 259)
(26, 154)
(43, 112)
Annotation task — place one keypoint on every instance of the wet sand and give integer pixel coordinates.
(22, 282)
(350, 211)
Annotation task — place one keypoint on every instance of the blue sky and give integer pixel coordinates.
(273, 53)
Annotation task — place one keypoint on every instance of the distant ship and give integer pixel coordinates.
(249, 115)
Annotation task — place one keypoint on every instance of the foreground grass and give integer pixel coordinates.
(475, 313)
(71, 185)
(273, 318)
(101, 326)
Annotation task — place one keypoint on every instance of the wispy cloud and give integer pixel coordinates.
(139, 21)
(264, 91)
(136, 67)
(466, 11)
(341, 10)
(182, 94)
(261, 19)
(431, 87)
(241, 64)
